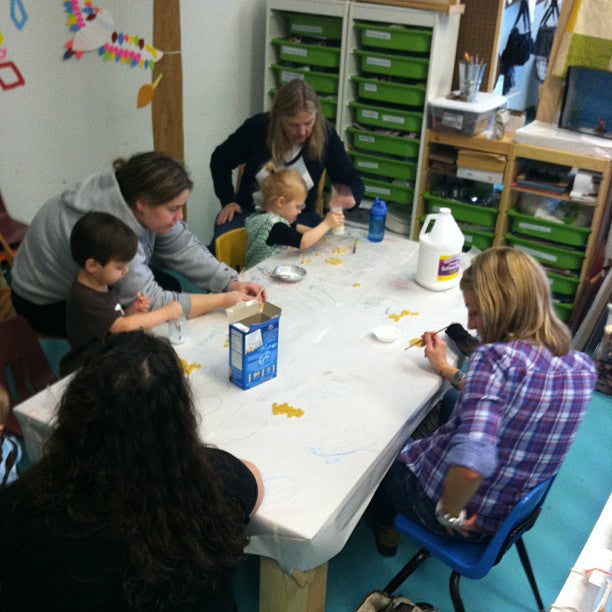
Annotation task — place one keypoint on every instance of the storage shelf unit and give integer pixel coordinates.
(566, 251)
(482, 226)
(396, 60)
(318, 57)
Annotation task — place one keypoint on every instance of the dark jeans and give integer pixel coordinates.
(306, 217)
(401, 492)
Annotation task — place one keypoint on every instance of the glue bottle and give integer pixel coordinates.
(439, 251)
(378, 215)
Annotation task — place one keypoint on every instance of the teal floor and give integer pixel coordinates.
(572, 507)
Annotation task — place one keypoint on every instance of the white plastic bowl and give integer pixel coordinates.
(386, 333)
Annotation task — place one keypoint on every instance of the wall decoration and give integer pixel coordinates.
(19, 16)
(10, 77)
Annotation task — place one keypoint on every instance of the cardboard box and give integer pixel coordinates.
(253, 342)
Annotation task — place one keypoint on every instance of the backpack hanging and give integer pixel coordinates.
(519, 46)
(545, 37)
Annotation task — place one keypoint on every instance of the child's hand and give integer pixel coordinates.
(334, 219)
(142, 303)
(174, 310)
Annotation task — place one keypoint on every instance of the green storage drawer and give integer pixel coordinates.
(390, 91)
(562, 284)
(548, 254)
(315, 26)
(383, 143)
(462, 211)
(328, 105)
(389, 118)
(402, 66)
(383, 166)
(321, 82)
(563, 310)
(394, 37)
(312, 55)
(476, 237)
(548, 230)
(389, 192)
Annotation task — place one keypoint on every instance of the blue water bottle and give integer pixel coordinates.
(378, 215)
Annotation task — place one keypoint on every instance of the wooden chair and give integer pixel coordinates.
(13, 231)
(230, 248)
(24, 369)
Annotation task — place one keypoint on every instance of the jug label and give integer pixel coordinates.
(448, 267)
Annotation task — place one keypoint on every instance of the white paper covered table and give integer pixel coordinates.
(360, 398)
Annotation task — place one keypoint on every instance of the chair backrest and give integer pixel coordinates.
(230, 248)
(24, 369)
(13, 231)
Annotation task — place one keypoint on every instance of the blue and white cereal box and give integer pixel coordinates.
(253, 342)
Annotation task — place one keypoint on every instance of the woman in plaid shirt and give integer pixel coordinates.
(519, 406)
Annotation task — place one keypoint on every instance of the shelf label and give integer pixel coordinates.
(381, 190)
(294, 51)
(370, 114)
(378, 34)
(367, 164)
(378, 61)
(454, 120)
(308, 29)
(536, 254)
(370, 87)
(535, 228)
(289, 76)
(393, 119)
(362, 138)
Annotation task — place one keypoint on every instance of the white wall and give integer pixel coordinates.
(74, 117)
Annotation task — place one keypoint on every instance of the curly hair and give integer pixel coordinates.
(513, 296)
(125, 456)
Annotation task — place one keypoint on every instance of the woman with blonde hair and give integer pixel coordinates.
(293, 134)
(520, 403)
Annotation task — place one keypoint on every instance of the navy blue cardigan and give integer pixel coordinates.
(247, 145)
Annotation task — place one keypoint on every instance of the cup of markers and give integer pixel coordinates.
(470, 77)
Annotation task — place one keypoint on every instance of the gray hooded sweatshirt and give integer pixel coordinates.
(44, 270)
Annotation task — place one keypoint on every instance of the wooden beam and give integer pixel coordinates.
(167, 104)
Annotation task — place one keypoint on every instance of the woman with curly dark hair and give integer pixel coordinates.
(127, 509)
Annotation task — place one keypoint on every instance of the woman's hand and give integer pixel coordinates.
(435, 351)
(173, 310)
(253, 291)
(343, 196)
(334, 219)
(227, 213)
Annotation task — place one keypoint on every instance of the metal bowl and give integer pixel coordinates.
(289, 274)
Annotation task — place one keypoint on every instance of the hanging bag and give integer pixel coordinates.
(520, 44)
(545, 37)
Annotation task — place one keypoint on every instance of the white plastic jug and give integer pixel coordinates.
(439, 252)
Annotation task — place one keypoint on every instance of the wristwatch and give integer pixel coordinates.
(456, 378)
(448, 520)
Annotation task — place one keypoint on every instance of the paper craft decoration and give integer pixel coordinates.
(145, 93)
(19, 15)
(94, 29)
(18, 81)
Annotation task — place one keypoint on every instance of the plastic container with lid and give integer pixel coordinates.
(378, 215)
(467, 118)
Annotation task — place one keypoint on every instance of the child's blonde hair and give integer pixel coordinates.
(284, 182)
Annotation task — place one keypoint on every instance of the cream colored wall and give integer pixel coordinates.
(73, 117)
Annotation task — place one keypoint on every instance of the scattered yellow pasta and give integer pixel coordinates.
(188, 368)
(334, 261)
(285, 408)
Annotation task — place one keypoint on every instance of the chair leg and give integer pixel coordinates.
(522, 551)
(453, 585)
(412, 565)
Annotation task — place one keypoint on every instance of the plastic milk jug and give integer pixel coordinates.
(439, 252)
(378, 215)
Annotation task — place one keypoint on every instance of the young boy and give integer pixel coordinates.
(103, 245)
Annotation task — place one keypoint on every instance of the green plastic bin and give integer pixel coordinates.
(548, 230)
(384, 117)
(312, 55)
(390, 91)
(476, 237)
(563, 310)
(315, 26)
(394, 37)
(402, 66)
(383, 143)
(383, 166)
(562, 284)
(462, 211)
(328, 105)
(548, 254)
(387, 191)
(321, 82)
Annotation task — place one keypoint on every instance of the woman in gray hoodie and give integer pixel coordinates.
(148, 192)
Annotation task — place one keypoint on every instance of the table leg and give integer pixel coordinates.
(295, 592)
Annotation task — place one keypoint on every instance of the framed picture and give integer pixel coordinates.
(586, 107)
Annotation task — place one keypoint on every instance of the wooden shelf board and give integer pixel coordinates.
(452, 7)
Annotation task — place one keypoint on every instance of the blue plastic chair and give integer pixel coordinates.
(475, 560)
